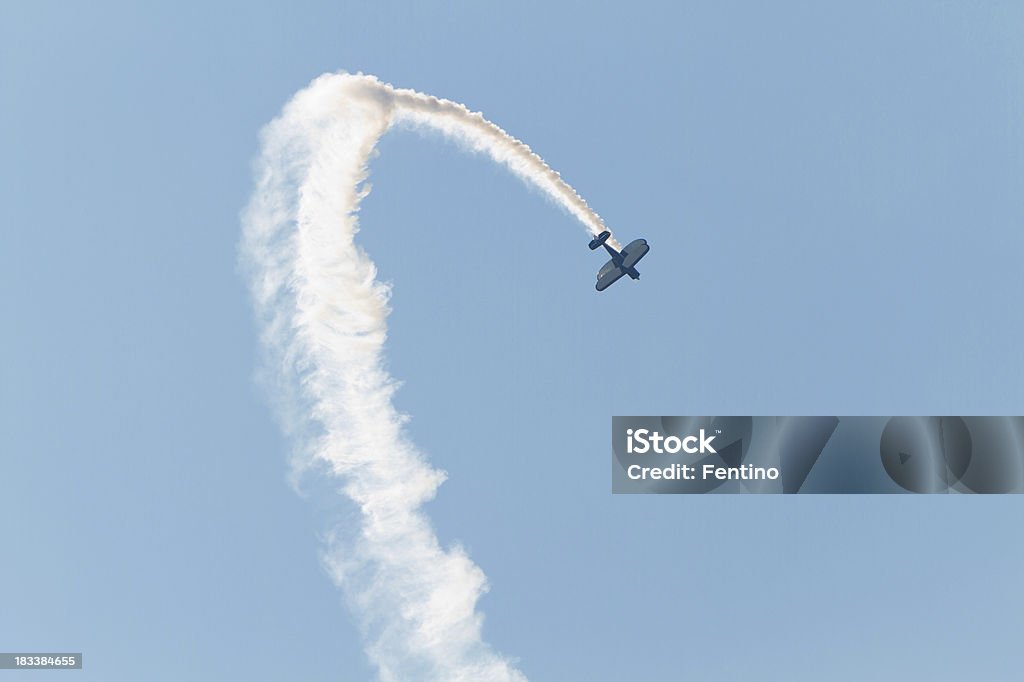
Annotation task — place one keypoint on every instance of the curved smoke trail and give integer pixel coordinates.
(324, 316)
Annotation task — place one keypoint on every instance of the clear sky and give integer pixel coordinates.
(834, 198)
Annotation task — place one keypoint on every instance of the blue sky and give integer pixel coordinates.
(833, 198)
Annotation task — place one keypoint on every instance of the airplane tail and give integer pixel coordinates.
(598, 241)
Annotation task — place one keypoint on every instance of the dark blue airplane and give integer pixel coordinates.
(622, 262)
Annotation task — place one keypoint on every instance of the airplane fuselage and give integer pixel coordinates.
(617, 257)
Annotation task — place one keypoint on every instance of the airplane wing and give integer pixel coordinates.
(608, 275)
(633, 252)
(606, 268)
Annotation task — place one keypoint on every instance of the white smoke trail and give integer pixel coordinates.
(324, 324)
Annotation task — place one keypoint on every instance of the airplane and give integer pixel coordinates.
(622, 262)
